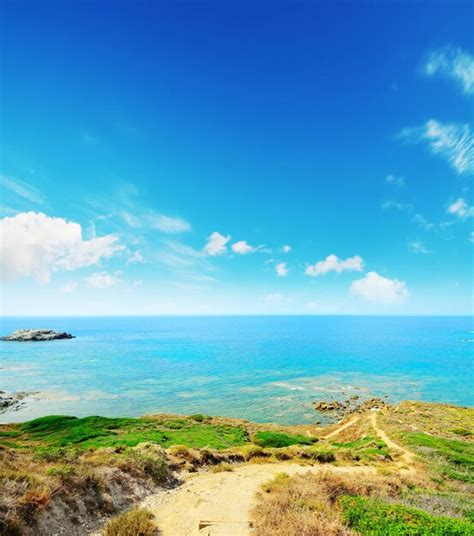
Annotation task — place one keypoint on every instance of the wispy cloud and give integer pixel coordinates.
(286, 248)
(418, 248)
(135, 258)
(461, 209)
(100, 280)
(153, 220)
(22, 189)
(454, 63)
(423, 222)
(396, 205)
(332, 263)
(454, 142)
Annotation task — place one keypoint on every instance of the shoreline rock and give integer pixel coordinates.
(27, 335)
(13, 401)
(351, 405)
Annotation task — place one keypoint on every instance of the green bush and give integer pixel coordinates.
(199, 417)
(374, 517)
(279, 439)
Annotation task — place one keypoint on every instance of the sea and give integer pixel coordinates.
(261, 368)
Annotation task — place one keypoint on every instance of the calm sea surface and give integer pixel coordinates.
(263, 368)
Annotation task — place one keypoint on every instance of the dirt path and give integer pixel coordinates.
(219, 504)
(339, 429)
(407, 457)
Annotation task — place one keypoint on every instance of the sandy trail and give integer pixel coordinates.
(339, 429)
(219, 504)
(407, 457)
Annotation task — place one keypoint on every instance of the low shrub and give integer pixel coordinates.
(322, 456)
(222, 467)
(136, 522)
(254, 451)
(150, 461)
(199, 417)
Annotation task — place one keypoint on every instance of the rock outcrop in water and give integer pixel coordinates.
(27, 335)
(351, 405)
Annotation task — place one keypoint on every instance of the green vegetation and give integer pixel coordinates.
(373, 516)
(136, 522)
(57, 431)
(452, 458)
(364, 449)
(279, 439)
(461, 431)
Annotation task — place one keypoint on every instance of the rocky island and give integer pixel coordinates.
(27, 335)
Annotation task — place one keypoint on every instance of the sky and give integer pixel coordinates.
(236, 158)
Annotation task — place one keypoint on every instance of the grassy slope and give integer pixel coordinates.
(45, 455)
(437, 500)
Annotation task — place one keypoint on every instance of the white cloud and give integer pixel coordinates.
(286, 248)
(281, 269)
(137, 283)
(453, 63)
(168, 224)
(216, 244)
(395, 181)
(103, 280)
(242, 248)
(461, 209)
(153, 220)
(375, 288)
(22, 189)
(333, 264)
(454, 142)
(33, 244)
(471, 237)
(418, 247)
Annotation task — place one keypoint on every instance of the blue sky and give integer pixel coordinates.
(201, 158)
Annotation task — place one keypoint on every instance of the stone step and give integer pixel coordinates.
(224, 528)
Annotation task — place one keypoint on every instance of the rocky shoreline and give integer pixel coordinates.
(13, 401)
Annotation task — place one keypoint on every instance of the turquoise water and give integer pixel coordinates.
(268, 369)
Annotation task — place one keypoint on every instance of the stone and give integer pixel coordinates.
(27, 335)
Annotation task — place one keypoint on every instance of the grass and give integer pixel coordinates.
(452, 458)
(307, 505)
(371, 516)
(135, 522)
(269, 439)
(95, 432)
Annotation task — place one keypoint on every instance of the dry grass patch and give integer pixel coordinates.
(136, 522)
(306, 505)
